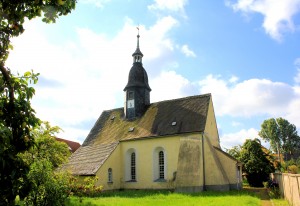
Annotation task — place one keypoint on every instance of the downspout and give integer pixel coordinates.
(203, 162)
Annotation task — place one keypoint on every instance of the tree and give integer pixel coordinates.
(235, 152)
(282, 136)
(46, 147)
(17, 117)
(17, 120)
(255, 163)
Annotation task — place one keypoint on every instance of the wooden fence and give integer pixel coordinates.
(289, 186)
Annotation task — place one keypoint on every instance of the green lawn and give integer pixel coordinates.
(156, 198)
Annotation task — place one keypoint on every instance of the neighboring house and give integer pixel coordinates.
(171, 144)
(73, 146)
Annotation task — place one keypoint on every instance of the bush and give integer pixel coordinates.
(87, 188)
(47, 186)
(292, 169)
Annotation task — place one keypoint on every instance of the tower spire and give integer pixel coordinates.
(138, 37)
(137, 55)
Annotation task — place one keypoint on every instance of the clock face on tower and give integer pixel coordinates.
(130, 103)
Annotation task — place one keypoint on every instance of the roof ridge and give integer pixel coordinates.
(183, 98)
(168, 100)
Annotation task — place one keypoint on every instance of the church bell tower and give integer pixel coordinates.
(137, 90)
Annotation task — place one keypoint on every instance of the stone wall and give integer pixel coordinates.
(289, 186)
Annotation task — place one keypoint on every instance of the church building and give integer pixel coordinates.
(172, 144)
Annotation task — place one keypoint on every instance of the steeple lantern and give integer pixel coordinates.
(137, 55)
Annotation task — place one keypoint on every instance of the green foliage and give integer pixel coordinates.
(255, 163)
(293, 169)
(17, 120)
(46, 147)
(291, 166)
(235, 152)
(282, 135)
(86, 188)
(47, 188)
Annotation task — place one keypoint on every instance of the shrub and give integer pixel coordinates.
(47, 187)
(87, 188)
(292, 169)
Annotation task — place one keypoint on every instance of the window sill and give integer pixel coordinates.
(110, 182)
(160, 180)
(131, 181)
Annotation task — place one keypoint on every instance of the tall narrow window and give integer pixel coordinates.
(110, 179)
(161, 165)
(132, 169)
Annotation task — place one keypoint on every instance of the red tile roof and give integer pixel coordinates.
(73, 146)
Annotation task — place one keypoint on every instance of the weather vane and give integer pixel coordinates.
(138, 28)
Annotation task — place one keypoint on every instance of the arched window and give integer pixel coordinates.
(161, 165)
(131, 156)
(110, 177)
(132, 166)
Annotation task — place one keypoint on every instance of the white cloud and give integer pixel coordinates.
(175, 6)
(233, 79)
(293, 115)
(250, 97)
(187, 51)
(238, 138)
(253, 97)
(278, 14)
(170, 85)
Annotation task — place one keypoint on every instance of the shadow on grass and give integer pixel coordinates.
(261, 192)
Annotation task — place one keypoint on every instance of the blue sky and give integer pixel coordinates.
(246, 53)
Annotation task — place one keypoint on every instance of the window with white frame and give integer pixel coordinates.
(109, 173)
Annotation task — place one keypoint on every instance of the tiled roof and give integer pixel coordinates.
(189, 114)
(73, 146)
(163, 118)
(87, 160)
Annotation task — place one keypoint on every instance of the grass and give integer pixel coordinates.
(280, 202)
(137, 197)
